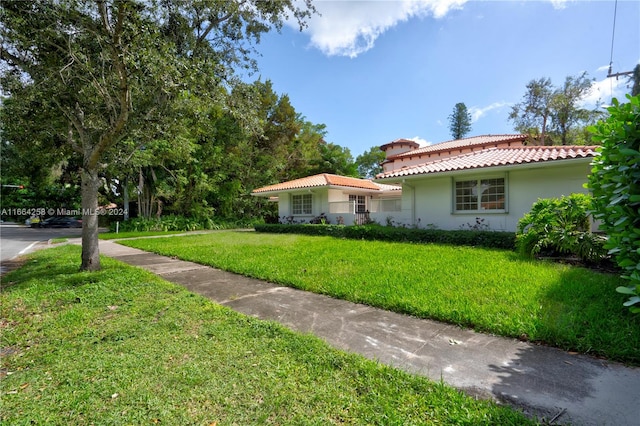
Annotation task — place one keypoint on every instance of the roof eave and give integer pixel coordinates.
(496, 168)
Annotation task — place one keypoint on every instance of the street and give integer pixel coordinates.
(17, 239)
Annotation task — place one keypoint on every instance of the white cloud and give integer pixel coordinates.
(602, 91)
(420, 141)
(349, 28)
(478, 112)
(560, 4)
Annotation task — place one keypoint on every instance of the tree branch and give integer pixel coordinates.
(214, 21)
(112, 135)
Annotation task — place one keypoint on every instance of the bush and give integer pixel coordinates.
(489, 239)
(559, 227)
(174, 223)
(615, 183)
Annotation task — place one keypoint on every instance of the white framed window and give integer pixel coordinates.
(360, 203)
(302, 204)
(475, 195)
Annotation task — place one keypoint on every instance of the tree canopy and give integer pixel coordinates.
(369, 163)
(103, 72)
(554, 115)
(459, 121)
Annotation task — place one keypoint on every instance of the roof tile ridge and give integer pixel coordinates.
(454, 157)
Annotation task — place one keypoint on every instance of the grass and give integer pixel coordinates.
(136, 234)
(492, 291)
(122, 346)
(59, 240)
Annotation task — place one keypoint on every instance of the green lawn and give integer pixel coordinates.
(492, 291)
(136, 234)
(121, 346)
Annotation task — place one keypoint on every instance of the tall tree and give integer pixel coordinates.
(554, 115)
(567, 111)
(333, 159)
(460, 121)
(532, 115)
(106, 69)
(369, 162)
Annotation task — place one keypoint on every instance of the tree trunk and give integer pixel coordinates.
(90, 248)
(544, 131)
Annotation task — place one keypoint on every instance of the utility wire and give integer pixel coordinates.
(613, 34)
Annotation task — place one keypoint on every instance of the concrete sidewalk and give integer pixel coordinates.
(553, 385)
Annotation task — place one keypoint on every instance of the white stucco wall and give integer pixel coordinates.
(433, 195)
(318, 204)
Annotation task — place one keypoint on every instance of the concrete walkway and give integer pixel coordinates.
(555, 386)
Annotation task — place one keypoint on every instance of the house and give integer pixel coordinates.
(341, 199)
(482, 182)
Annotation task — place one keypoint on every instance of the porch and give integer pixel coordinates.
(357, 213)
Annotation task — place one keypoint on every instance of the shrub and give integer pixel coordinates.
(174, 223)
(615, 183)
(489, 239)
(560, 226)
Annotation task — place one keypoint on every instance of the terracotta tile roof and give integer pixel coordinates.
(492, 157)
(325, 179)
(400, 142)
(463, 143)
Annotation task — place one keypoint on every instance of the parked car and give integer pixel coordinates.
(33, 222)
(46, 223)
(61, 222)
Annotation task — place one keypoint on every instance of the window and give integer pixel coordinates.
(480, 194)
(302, 204)
(360, 203)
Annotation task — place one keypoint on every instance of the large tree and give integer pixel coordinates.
(554, 115)
(369, 163)
(106, 70)
(460, 121)
(333, 159)
(532, 115)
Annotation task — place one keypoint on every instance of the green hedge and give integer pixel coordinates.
(490, 239)
(175, 223)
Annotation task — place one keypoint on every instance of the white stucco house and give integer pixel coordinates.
(343, 200)
(490, 180)
(487, 181)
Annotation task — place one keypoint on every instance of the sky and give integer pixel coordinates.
(379, 70)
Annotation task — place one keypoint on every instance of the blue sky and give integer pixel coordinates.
(376, 71)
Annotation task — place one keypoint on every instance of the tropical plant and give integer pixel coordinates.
(560, 226)
(615, 182)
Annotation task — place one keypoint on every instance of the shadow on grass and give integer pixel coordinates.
(54, 262)
(584, 308)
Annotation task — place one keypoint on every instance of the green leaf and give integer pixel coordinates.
(626, 290)
(632, 301)
(628, 151)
